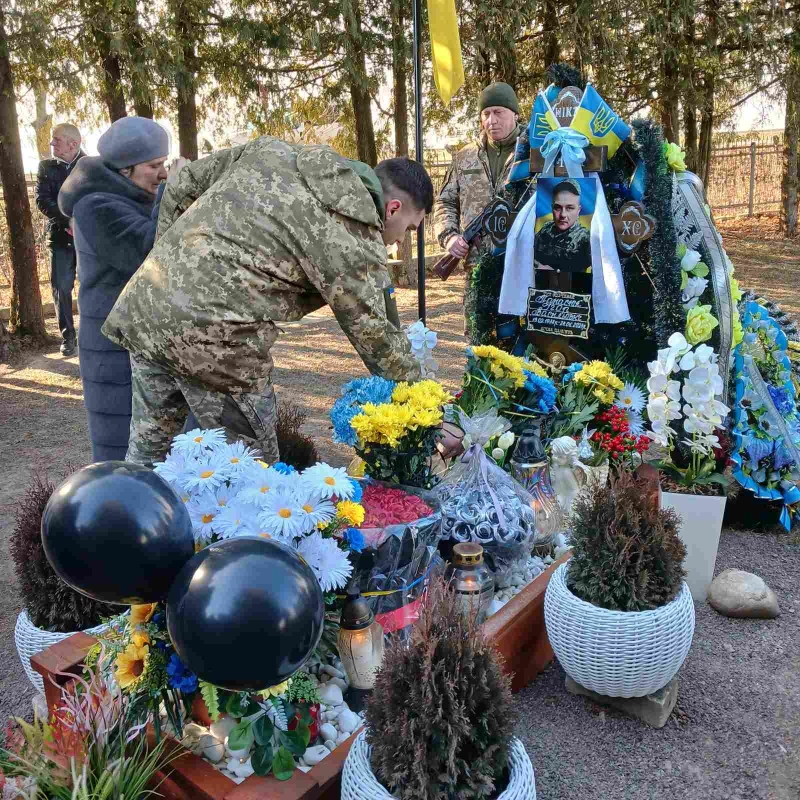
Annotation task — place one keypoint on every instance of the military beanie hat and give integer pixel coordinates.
(499, 94)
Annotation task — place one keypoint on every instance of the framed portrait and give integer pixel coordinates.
(564, 211)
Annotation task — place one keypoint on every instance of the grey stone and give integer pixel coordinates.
(735, 593)
(653, 709)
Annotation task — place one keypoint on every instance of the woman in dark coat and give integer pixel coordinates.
(113, 201)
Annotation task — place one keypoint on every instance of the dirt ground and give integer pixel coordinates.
(43, 426)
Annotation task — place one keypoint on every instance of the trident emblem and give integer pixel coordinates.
(603, 121)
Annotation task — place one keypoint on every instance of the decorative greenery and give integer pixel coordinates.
(303, 689)
(441, 725)
(664, 265)
(627, 555)
(210, 695)
(94, 747)
(50, 603)
(483, 297)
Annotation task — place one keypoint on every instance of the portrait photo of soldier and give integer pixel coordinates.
(564, 213)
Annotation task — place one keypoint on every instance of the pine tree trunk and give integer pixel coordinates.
(26, 300)
(113, 96)
(669, 101)
(706, 130)
(43, 124)
(359, 84)
(689, 100)
(185, 83)
(552, 47)
(791, 139)
(140, 89)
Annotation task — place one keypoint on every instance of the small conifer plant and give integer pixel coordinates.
(627, 555)
(50, 603)
(440, 719)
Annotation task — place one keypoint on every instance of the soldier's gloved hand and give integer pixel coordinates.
(457, 246)
(175, 167)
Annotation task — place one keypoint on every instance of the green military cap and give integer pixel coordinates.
(499, 94)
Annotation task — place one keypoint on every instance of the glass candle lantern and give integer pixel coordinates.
(360, 641)
(471, 579)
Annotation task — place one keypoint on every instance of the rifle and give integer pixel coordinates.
(445, 266)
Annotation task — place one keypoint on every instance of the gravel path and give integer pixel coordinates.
(735, 734)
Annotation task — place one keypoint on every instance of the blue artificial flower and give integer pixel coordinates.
(783, 458)
(159, 619)
(782, 400)
(768, 426)
(284, 469)
(355, 394)
(571, 370)
(358, 491)
(543, 388)
(180, 677)
(355, 539)
(757, 449)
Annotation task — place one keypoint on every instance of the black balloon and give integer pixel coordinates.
(117, 532)
(246, 613)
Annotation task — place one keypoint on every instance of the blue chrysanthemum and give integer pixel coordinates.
(358, 491)
(355, 539)
(284, 469)
(782, 400)
(354, 395)
(571, 370)
(543, 389)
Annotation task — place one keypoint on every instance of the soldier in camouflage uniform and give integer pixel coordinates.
(564, 244)
(477, 174)
(249, 237)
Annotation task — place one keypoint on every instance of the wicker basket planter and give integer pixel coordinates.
(618, 653)
(359, 782)
(31, 640)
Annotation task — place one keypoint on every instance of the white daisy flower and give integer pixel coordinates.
(329, 562)
(236, 519)
(172, 469)
(327, 481)
(203, 511)
(259, 481)
(316, 509)
(207, 473)
(630, 397)
(198, 442)
(240, 457)
(224, 495)
(282, 517)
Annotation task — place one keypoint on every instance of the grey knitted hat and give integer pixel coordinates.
(132, 140)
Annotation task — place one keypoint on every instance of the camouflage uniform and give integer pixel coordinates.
(467, 190)
(250, 236)
(568, 250)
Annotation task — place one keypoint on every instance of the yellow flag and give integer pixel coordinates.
(448, 69)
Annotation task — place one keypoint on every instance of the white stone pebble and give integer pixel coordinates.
(327, 669)
(328, 731)
(313, 755)
(342, 738)
(341, 683)
(331, 695)
(330, 744)
(222, 727)
(347, 721)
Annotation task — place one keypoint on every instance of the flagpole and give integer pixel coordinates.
(417, 16)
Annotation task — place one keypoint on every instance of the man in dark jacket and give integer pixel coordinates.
(66, 146)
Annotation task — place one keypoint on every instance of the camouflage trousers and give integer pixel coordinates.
(162, 401)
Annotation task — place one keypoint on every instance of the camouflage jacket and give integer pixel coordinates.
(466, 192)
(261, 233)
(568, 250)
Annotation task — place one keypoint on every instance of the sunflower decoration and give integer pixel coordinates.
(142, 614)
(130, 665)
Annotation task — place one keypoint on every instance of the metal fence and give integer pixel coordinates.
(745, 179)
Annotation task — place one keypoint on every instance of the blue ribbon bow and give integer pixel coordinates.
(570, 144)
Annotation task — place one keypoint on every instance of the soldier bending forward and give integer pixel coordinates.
(249, 237)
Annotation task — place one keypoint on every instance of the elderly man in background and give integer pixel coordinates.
(478, 173)
(66, 147)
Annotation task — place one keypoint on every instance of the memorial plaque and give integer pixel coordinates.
(632, 226)
(566, 104)
(497, 221)
(559, 313)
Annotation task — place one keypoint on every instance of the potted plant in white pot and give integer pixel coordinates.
(52, 610)
(619, 617)
(440, 721)
(686, 416)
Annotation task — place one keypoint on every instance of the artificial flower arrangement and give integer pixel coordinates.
(392, 426)
(230, 492)
(766, 427)
(684, 390)
(423, 340)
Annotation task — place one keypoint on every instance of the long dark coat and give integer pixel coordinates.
(114, 224)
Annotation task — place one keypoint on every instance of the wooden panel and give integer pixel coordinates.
(58, 662)
(328, 773)
(190, 776)
(518, 631)
(596, 161)
(300, 786)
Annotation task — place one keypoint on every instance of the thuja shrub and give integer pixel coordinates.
(441, 718)
(626, 555)
(295, 448)
(50, 603)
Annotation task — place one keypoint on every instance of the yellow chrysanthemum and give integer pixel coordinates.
(537, 369)
(142, 613)
(130, 665)
(276, 691)
(352, 512)
(427, 417)
(401, 392)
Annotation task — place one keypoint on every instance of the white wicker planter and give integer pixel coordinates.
(617, 653)
(31, 640)
(359, 782)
